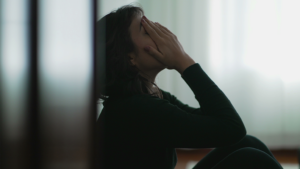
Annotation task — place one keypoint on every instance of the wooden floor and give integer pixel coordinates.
(184, 156)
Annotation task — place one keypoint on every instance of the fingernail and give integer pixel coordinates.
(143, 21)
(147, 48)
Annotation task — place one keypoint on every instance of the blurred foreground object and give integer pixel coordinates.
(48, 105)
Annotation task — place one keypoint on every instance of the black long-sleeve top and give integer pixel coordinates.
(143, 131)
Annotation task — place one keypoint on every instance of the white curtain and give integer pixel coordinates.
(249, 48)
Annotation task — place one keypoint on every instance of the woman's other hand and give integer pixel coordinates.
(170, 52)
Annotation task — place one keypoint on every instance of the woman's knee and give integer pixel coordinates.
(254, 154)
(252, 137)
(247, 152)
(248, 156)
(252, 140)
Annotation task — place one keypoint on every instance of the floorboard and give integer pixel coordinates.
(186, 158)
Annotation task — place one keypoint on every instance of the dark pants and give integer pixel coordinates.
(250, 152)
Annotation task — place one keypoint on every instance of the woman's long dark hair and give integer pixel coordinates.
(121, 78)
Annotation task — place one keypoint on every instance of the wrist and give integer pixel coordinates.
(185, 64)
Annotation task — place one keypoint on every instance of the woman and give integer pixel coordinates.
(141, 125)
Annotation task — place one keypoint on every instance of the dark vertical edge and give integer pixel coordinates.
(1, 95)
(299, 157)
(1, 121)
(94, 98)
(101, 78)
(33, 92)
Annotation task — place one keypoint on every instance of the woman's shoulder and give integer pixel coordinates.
(132, 98)
(142, 101)
(146, 101)
(166, 95)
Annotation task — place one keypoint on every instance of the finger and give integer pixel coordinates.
(153, 26)
(153, 52)
(151, 31)
(164, 28)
